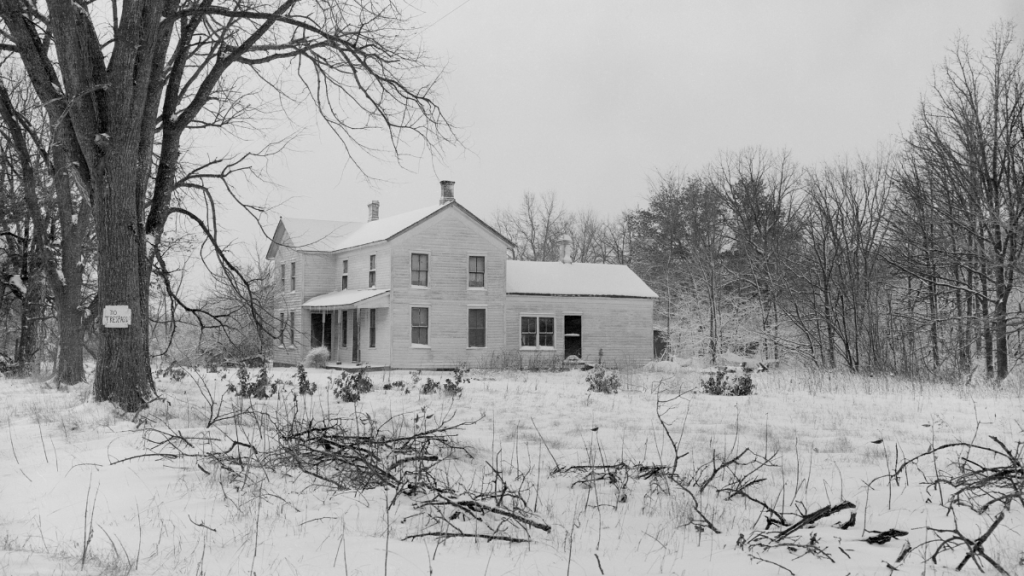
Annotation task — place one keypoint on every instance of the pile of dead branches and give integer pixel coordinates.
(986, 479)
(408, 455)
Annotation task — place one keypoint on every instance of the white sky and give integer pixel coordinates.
(589, 98)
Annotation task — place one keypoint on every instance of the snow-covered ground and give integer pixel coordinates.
(69, 482)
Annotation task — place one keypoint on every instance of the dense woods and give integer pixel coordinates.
(900, 261)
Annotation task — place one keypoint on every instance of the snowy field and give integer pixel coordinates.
(639, 482)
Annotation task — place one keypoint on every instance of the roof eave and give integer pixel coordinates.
(655, 297)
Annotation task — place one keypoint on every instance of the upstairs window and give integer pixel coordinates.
(477, 328)
(344, 274)
(421, 326)
(476, 271)
(373, 270)
(293, 276)
(282, 279)
(420, 265)
(537, 332)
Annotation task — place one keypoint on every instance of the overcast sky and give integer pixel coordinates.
(589, 98)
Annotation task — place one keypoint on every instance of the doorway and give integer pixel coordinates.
(573, 331)
(320, 330)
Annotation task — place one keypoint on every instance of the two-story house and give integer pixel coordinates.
(433, 288)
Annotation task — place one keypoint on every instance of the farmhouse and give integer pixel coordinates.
(434, 288)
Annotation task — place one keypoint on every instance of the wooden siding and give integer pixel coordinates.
(359, 267)
(619, 330)
(449, 238)
(290, 301)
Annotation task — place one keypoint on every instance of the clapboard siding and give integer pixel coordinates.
(449, 238)
(289, 300)
(618, 330)
(359, 267)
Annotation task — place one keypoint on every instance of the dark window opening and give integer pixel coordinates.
(477, 328)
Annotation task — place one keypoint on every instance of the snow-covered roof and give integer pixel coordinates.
(332, 236)
(316, 235)
(384, 228)
(345, 298)
(557, 279)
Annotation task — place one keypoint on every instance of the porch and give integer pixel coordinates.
(348, 323)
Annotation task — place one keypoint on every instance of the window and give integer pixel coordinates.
(344, 274)
(476, 271)
(477, 328)
(280, 335)
(293, 276)
(537, 332)
(420, 264)
(373, 327)
(291, 325)
(344, 328)
(373, 270)
(420, 326)
(282, 277)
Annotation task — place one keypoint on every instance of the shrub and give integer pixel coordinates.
(397, 385)
(361, 382)
(430, 386)
(305, 386)
(349, 387)
(454, 388)
(317, 357)
(726, 382)
(603, 380)
(261, 388)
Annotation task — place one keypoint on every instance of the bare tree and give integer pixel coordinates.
(966, 170)
(842, 274)
(534, 227)
(759, 190)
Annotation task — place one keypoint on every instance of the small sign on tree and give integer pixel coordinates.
(117, 316)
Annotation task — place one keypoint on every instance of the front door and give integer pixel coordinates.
(573, 330)
(320, 330)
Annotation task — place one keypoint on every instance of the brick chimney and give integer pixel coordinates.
(563, 244)
(374, 210)
(447, 191)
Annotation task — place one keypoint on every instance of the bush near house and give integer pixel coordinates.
(727, 382)
(317, 357)
(604, 381)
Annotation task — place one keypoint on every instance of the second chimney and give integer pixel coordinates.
(447, 191)
(566, 253)
(374, 210)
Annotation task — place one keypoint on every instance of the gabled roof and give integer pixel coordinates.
(309, 234)
(557, 279)
(332, 236)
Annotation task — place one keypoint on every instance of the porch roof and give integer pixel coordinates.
(368, 298)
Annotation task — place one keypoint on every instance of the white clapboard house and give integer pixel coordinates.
(434, 288)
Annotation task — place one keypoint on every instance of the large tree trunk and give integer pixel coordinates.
(122, 374)
(73, 223)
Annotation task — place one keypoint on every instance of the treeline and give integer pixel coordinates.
(902, 261)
